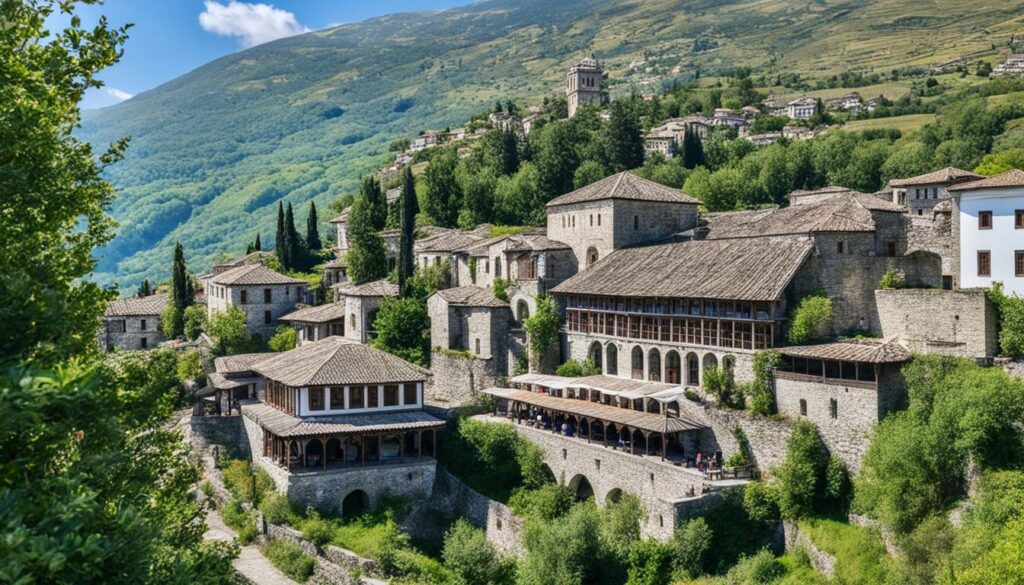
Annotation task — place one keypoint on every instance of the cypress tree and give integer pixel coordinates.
(406, 261)
(508, 162)
(366, 258)
(182, 291)
(377, 205)
(292, 242)
(248, 249)
(257, 246)
(693, 151)
(312, 231)
(280, 243)
(624, 138)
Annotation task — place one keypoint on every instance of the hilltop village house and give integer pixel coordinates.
(361, 303)
(263, 294)
(338, 425)
(316, 323)
(988, 221)
(922, 193)
(132, 323)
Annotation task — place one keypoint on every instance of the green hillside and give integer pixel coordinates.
(302, 118)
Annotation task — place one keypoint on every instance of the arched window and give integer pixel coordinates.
(692, 370)
(594, 354)
(612, 360)
(522, 311)
(672, 373)
(654, 366)
(637, 363)
(591, 255)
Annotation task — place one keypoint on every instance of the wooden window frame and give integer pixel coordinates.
(316, 399)
(1018, 219)
(987, 255)
(982, 224)
(1018, 262)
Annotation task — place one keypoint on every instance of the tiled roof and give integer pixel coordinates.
(447, 241)
(742, 269)
(534, 243)
(321, 314)
(235, 364)
(849, 212)
(946, 175)
(219, 381)
(471, 296)
(253, 274)
(336, 263)
(1009, 179)
(286, 425)
(137, 306)
(337, 361)
(377, 288)
(624, 185)
(874, 351)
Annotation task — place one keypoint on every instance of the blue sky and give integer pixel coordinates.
(172, 37)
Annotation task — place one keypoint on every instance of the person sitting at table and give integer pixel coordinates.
(700, 462)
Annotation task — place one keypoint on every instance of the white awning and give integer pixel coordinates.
(556, 382)
(670, 395)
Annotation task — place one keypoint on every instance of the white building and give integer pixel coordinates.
(801, 108)
(991, 230)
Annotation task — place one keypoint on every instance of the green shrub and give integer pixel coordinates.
(241, 520)
(650, 563)
(719, 383)
(759, 500)
(190, 367)
(289, 558)
(692, 542)
(1011, 329)
(283, 339)
(245, 483)
(542, 326)
(576, 369)
(761, 399)
(565, 552)
(195, 321)
(315, 529)
(470, 556)
(810, 320)
(800, 479)
(860, 553)
(893, 279)
(277, 509)
(492, 458)
(546, 502)
(500, 288)
(762, 567)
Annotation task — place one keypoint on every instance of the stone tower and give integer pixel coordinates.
(583, 84)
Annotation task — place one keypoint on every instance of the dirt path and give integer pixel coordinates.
(250, 562)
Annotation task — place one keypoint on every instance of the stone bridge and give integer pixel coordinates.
(605, 473)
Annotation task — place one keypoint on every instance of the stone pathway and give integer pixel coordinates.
(250, 562)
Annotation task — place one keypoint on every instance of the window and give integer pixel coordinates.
(1019, 262)
(803, 407)
(636, 222)
(984, 263)
(268, 318)
(598, 219)
(337, 398)
(352, 320)
(477, 346)
(391, 395)
(371, 397)
(497, 266)
(410, 393)
(266, 295)
(487, 266)
(142, 325)
(117, 326)
(316, 398)
(890, 248)
(917, 193)
(144, 343)
(355, 396)
(591, 220)
(833, 408)
(1018, 219)
(244, 297)
(984, 220)
(839, 247)
(920, 212)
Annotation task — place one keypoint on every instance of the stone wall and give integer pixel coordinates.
(334, 566)
(821, 560)
(935, 234)
(225, 431)
(282, 301)
(457, 381)
(958, 323)
(135, 330)
(766, 436)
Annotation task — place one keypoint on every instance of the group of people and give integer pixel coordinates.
(708, 461)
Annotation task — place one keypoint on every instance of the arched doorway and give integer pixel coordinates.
(581, 487)
(692, 369)
(548, 474)
(672, 374)
(637, 363)
(591, 256)
(594, 355)
(355, 504)
(654, 366)
(612, 363)
(710, 361)
(314, 453)
(522, 311)
(613, 496)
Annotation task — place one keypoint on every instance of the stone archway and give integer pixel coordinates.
(710, 362)
(591, 256)
(611, 362)
(637, 363)
(654, 365)
(692, 369)
(581, 487)
(673, 375)
(595, 354)
(355, 504)
(613, 496)
(522, 311)
(548, 474)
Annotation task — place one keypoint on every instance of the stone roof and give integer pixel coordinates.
(377, 288)
(336, 361)
(840, 213)
(590, 62)
(137, 306)
(320, 314)
(219, 381)
(286, 425)
(239, 363)
(946, 175)
(253, 274)
(336, 263)
(534, 243)
(1008, 180)
(470, 296)
(624, 185)
(873, 351)
(447, 241)
(742, 269)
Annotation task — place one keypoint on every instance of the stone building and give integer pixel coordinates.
(616, 212)
(263, 294)
(667, 139)
(437, 249)
(988, 223)
(469, 342)
(1013, 65)
(339, 424)
(960, 323)
(530, 259)
(361, 303)
(801, 108)
(258, 257)
(133, 323)
(316, 323)
(232, 381)
(335, 271)
(844, 388)
(583, 84)
(922, 193)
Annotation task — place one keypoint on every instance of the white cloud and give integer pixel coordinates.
(253, 24)
(118, 94)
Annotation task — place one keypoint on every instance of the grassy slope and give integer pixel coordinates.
(215, 150)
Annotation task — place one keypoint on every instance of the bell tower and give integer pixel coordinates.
(583, 84)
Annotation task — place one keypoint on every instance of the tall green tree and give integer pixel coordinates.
(281, 238)
(182, 295)
(365, 259)
(508, 153)
(313, 243)
(624, 137)
(693, 150)
(295, 250)
(406, 258)
(257, 246)
(376, 202)
(444, 195)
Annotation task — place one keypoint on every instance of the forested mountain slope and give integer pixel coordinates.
(302, 118)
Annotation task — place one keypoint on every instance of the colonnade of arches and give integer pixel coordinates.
(654, 365)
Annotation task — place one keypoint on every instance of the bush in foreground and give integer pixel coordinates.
(290, 559)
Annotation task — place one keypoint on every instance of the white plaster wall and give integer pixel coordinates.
(1002, 240)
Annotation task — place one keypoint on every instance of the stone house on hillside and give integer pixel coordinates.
(263, 294)
(988, 224)
(522, 258)
(437, 249)
(339, 424)
(361, 303)
(258, 257)
(232, 381)
(922, 193)
(316, 323)
(801, 108)
(133, 323)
